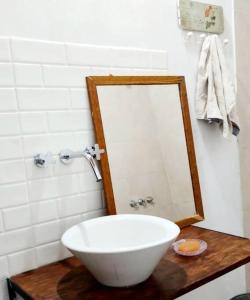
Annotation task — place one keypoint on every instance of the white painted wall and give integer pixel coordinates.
(242, 27)
(148, 25)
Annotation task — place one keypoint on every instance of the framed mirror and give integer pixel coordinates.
(149, 164)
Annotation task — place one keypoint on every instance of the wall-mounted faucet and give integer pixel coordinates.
(42, 160)
(67, 155)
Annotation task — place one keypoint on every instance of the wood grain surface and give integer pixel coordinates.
(174, 276)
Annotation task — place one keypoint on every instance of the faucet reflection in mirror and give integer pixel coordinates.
(143, 124)
(142, 202)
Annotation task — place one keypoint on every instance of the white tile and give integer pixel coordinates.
(99, 71)
(88, 181)
(17, 217)
(82, 120)
(9, 124)
(12, 171)
(6, 74)
(25, 50)
(28, 75)
(50, 253)
(84, 139)
(65, 76)
(66, 223)
(126, 57)
(79, 99)
(33, 122)
(43, 189)
(74, 205)
(33, 172)
(88, 55)
(159, 60)
(34, 144)
(76, 166)
(1, 223)
(93, 200)
(60, 141)
(16, 240)
(8, 99)
(12, 195)
(4, 273)
(145, 72)
(54, 187)
(68, 185)
(94, 214)
(10, 148)
(121, 71)
(22, 261)
(4, 49)
(43, 99)
(69, 121)
(48, 232)
(157, 72)
(44, 211)
(60, 121)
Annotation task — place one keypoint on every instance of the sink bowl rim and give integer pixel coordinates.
(97, 250)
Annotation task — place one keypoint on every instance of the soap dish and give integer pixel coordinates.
(202, 247)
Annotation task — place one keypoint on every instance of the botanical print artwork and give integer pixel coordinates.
(200, 16)
(210, 16)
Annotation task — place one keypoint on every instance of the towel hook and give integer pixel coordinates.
(201, 38)
(189, 36)
(225, 42)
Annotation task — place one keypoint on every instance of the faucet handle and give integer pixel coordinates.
(142, 202)
(66, 156)
(42, 160)
(150, 200)
(96, 152)
(134, 204)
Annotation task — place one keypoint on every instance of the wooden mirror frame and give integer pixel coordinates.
(92, 83)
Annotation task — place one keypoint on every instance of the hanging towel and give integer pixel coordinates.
(215, 95)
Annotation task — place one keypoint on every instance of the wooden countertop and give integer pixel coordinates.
(173, 277)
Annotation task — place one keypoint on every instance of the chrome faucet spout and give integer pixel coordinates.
(87, 154)
(67, 155)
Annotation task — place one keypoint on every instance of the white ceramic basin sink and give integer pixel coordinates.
(121, 250)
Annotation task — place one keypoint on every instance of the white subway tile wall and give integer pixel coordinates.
(44, 107)
(8, 99)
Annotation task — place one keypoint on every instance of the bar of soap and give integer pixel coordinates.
(189, 246)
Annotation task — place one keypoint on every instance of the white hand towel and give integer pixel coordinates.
(215, 95)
